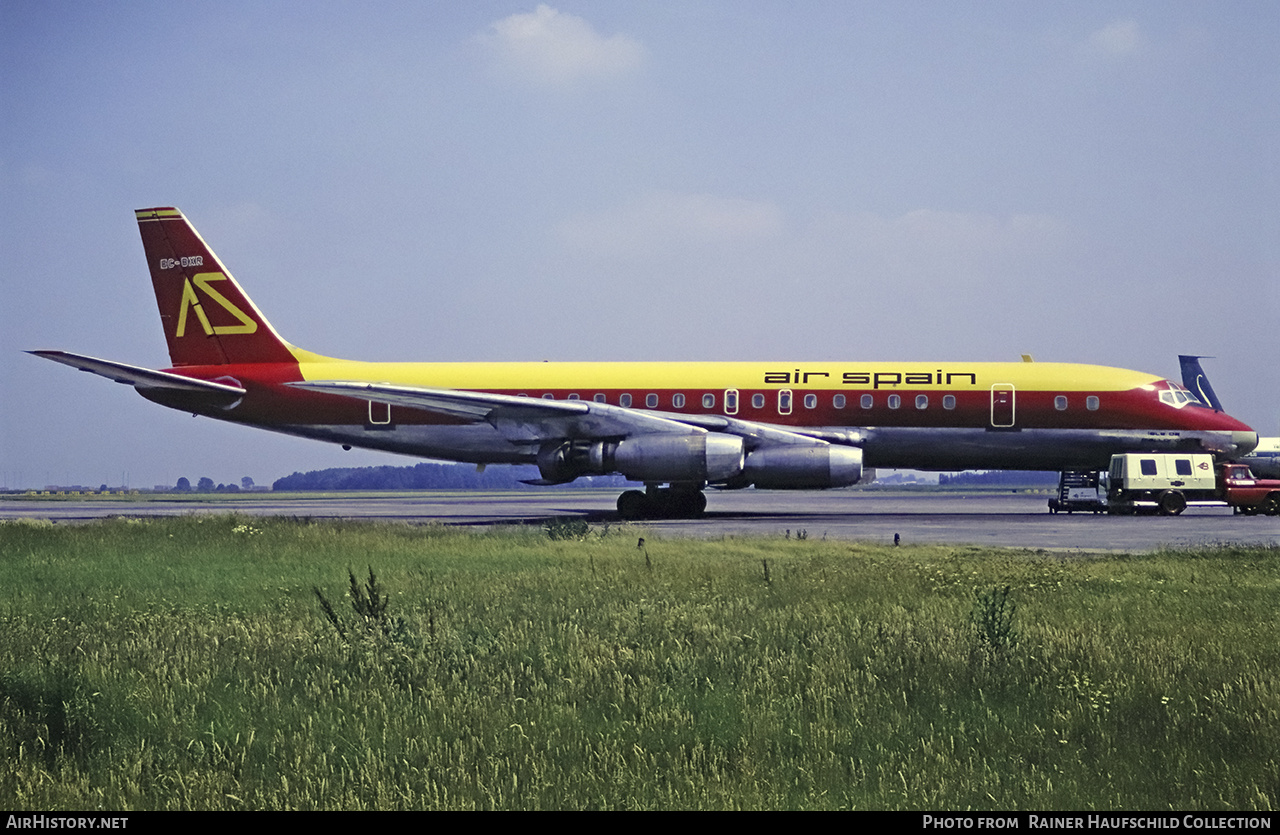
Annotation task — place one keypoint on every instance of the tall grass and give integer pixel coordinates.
(188, 663)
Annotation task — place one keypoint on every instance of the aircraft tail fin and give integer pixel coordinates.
(207, 318)
(1194, 378)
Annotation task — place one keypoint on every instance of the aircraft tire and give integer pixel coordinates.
(633, 505)
(662, 504)
(676, 503)
(1172, 503)
(688, 504)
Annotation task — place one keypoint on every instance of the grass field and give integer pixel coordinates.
(188, 663)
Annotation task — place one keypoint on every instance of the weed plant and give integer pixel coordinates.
(189, 664)
(992, 618)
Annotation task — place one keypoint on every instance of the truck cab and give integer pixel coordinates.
(1247, 493)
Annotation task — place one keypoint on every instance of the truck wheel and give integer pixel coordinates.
(1272, 505)
(1172, 503)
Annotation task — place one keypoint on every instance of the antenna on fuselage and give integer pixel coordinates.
(1194, 378)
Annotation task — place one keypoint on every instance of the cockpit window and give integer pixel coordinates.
(1176, 395)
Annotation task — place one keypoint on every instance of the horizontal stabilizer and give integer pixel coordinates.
(141, 378)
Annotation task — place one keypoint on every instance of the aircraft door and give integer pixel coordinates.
(379, 413)
(1003, 411)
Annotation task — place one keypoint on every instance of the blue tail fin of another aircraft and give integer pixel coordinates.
(1194, 378)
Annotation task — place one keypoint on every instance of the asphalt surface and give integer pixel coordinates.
(1003, 519)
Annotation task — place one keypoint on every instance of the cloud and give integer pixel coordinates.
(554, 48)
(925, 246)
(665, 220)
(749, 280)
(1119, 37)
(950, 237)
(928, 251)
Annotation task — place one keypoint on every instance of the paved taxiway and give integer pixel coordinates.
(1006, 519)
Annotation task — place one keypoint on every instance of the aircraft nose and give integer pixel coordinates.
(1244, 442)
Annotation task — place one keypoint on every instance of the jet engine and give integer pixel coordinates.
(803, 467)
(702, 457)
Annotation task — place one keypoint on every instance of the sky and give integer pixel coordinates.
(1094, 182)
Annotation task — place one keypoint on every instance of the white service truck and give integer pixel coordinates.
(1170, 482)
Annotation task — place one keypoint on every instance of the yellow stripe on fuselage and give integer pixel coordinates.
(588, 377)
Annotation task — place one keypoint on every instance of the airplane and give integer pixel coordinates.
(1264, 460)
(676, 427)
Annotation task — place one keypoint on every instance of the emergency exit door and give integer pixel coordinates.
(1003, 412)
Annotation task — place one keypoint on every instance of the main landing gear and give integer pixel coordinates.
(676, 502)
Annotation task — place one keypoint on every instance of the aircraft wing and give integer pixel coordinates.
(141, 378)
(519, 419)
(764, 434)
(535, 419)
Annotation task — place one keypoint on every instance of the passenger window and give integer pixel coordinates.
(784, 402)
(894, 401)
(838, 401)
(1148, 466)
(651, 401)
(867, 401)
(1183, 466)
(599, 398)
(948, 401)
(811, 401)
(922, 401)
(677, 401)
(708, 401)
(625, 401)
(731, 401)
(574, 396)
(1060, 403)
(548, 396)
(757, 401)
(1091, 403)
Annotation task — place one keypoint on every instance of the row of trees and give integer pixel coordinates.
(206, 485)
(1002, 478)
(426, 477)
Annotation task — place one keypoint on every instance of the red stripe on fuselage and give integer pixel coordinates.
(271, 403)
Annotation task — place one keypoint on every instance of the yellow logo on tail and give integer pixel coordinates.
(189, 300)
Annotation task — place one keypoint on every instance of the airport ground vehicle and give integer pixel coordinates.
(1168, 483)
(1084, 491)
(676, 427)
